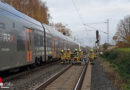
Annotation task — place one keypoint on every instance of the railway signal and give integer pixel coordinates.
(97, 39)
(97, 36)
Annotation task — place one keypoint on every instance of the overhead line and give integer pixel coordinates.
(76, 8)
(80, 17)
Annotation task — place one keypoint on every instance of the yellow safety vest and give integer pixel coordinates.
(91, 55)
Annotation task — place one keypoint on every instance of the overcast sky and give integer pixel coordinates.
(91, 11)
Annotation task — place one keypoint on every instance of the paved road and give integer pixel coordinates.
(100, 81)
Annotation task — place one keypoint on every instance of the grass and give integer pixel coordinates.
(114, 77)
(124, 49)
(118, 60)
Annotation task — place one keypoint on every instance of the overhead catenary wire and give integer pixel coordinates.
(77, 10)
(101, 22)
(86, 24)
(81, 19)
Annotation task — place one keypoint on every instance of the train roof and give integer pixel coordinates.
(54, 32)
(58, 34)
(8, 8)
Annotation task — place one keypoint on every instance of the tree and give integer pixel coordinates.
(121, 44)
(33, 8)
(123, 32)
(105, 46)
(62, 28)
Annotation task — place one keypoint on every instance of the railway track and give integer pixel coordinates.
(70, 78)
(31, 79)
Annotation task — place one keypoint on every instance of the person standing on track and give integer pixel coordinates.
(62, 56)
(80, 55)
(76, 56)
(68, 55)
(91, 56)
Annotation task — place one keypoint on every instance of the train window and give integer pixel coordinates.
(2, 25)
(41, 40)
(20, 44)
(48, 41)
(13, 25)
(51, 43)
(36, 39)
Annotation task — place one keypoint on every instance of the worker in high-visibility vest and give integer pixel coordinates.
(76, 55)
(65, 55)
(80, 54)
(68, 55)
(91, 55)
(62, 56)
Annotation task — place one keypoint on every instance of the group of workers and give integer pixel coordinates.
(65, 56)
(76, 57)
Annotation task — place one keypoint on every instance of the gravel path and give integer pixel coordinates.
(32, 80)
(100, 81)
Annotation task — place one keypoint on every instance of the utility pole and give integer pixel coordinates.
(107, 22)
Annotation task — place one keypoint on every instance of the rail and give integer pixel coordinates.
(80, 80)
(53, 78)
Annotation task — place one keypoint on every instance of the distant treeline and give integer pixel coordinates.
(39, 11)
(33, 8)
(122, 36)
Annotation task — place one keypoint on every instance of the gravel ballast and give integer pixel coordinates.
(100, 80)
(32, 80)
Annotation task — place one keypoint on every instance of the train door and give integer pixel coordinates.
(54, 47)
(29, 44)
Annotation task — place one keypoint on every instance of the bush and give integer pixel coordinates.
(120, 61)
(126, 87)
(111, 55)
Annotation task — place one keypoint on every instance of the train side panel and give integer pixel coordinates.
(17, 42)
(12, 42)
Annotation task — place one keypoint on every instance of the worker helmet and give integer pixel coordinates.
(91, 50)
(68, 49)
(76, 49)
(62, 50)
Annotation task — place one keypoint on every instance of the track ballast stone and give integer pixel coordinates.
(32, 80)
(100, 80)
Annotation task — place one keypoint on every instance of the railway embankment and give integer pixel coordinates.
(116, 64)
